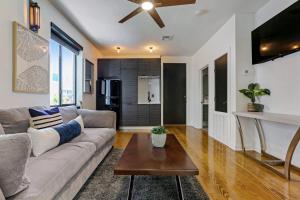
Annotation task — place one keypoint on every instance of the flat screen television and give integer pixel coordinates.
(278, 37)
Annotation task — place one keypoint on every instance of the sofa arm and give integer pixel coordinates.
(98, 119)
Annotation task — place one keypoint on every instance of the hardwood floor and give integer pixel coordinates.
(226, 174)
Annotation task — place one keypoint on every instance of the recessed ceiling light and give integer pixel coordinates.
(147, 5)
(118, 49)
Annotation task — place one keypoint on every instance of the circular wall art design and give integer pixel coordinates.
(40, 77)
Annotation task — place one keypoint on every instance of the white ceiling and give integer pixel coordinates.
(191, 25)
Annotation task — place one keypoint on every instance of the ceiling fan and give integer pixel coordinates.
(150, 7)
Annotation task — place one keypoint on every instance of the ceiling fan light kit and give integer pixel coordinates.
(150, 7)
(147, 5)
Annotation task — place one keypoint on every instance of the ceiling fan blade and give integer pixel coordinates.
(154, 14)
(132, 14)
(135, 1)
(165, 3)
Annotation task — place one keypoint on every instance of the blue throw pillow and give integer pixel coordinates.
(68, 131)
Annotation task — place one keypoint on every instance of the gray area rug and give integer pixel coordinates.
(104, 185)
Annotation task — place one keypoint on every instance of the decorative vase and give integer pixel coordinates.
(159, 140)
(255, 107)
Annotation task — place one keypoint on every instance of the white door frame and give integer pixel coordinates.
(201, 93)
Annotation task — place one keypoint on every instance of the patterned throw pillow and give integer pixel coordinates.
(41, 119)
(46, 139)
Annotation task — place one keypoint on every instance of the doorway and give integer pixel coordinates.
(205, 97)
(221, 84)
(174, 80)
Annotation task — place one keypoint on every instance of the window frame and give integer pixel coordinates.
(64, 40)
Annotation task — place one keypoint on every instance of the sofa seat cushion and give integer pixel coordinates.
(98, 136)
(50, 172)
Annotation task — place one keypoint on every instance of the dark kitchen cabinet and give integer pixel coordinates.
(109, 68)
(144, 68)
(154, 114)
(155, 67)
(128, 70)
(129, 115)
(143, 115)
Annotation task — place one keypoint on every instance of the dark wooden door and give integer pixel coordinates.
(174, 93)
(221, 84)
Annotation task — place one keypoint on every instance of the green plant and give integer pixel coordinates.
(159, 130)
(255, 91)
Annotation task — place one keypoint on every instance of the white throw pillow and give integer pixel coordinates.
(43, 140)
(80, 121)
(46, 139)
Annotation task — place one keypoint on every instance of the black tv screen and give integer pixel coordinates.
(278, 37)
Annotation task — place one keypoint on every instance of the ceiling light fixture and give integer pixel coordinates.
(296, 46)
(118, 49)
(147, 5)
(151, 49)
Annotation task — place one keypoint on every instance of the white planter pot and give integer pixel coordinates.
(159, 140)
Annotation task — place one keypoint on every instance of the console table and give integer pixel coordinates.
(265, 158)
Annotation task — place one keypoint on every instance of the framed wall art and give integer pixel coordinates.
(30, 61)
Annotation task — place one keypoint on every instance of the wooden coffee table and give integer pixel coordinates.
(141, 158)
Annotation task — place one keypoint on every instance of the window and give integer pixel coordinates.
(64, 54)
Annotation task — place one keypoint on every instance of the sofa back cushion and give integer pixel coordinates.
(14, 153)
(68, 113)
(45, 118)
(14, 120)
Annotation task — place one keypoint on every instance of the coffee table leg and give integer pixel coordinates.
(129, 197)
(179, 188)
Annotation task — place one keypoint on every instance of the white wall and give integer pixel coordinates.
(234, 38)
(16, 10)
(282, 77)
(221, 43)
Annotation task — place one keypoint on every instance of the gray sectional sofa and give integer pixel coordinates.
(61, 172)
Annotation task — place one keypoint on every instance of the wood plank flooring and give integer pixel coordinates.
(226, 174)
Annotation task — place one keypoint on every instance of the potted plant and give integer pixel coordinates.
(252, 93)
(159, 136)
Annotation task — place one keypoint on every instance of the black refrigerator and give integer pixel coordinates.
(109, 96)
